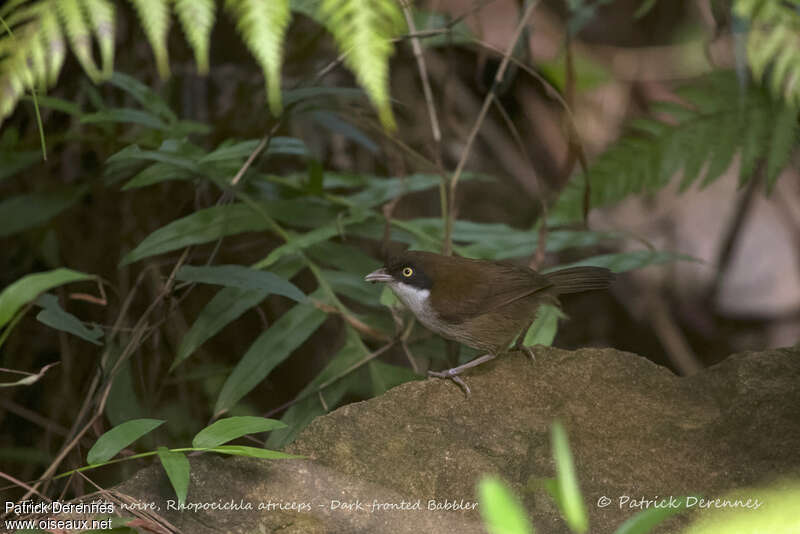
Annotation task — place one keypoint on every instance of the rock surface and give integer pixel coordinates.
(635, 429)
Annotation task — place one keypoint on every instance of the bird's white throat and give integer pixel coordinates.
(415, 299)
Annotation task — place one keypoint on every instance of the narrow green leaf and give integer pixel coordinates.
(199, 227)
(125, 116)
(644, 8)
(177, 468)
(267, 351)
(54, 316)
(13, 161)
(242, 278)
(571, 500)
(144, 95)
(27, 288)
(384, 376)
(230, 428)
(22, 212)
(501, 511)
(545, 326)
(300, 242)
(227, 305)
(109, 444)
(644, 521)
(299, 415)
(254, 452)
(628, 261)
(58, 104)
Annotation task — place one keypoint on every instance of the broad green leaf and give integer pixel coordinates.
(644, 521)
(177, 468)
(270, 349)
(545, 326)
(500, 509)
(254, 452)
(199, 227)
(242, 278)
(54, 316)
(27, 288)
(337, 380)
(109, 444)
(22, 212)
(230, 428)
(628, 261)
(571, 501)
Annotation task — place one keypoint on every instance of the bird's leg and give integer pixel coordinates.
(519, 344)
(453, 373)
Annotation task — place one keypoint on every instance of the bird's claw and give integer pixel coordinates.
(452, 376)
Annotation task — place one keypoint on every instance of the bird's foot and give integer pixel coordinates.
(453, 373)
(527, 350)
(454, 377)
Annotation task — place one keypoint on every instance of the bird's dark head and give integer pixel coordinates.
(413, 269)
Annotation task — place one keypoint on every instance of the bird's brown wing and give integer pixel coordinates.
(483, 287)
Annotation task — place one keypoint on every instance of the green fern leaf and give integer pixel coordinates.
(154, 15)
(263, 27)
(53, 41)
(783, 141)
(363, 30)
(699, 140)
(79, 35)
(772, 44)
(197, 19)
(101, 15)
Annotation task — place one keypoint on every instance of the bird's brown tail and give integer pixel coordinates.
(577, 279)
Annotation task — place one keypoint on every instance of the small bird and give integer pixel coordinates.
(483, 304)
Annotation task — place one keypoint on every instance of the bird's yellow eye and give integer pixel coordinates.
(408, 271)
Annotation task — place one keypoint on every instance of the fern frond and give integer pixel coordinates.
(154, 15)
(363, 29)
(101, 16)
(773, 44)
(263, 27)
(699, 140)
(197, 19)
(79, 34)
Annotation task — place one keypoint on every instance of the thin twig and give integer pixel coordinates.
(449, 221)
